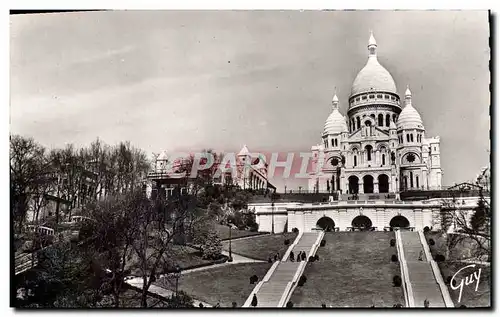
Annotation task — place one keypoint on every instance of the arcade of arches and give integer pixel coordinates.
(368, 184)
(362, 222)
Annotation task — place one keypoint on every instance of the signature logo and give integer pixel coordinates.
(474, 277)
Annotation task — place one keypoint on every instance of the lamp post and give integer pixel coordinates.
(230, 253)
(177, 275)
(273, 198)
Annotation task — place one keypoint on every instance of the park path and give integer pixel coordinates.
(137, 282)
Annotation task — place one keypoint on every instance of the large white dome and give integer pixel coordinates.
(373, 77)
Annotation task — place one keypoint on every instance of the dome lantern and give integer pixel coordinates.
(336, 122)
(372, 45)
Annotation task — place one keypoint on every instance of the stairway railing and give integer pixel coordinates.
(405, 278)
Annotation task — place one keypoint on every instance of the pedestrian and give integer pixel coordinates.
(292, 256)
(420, 255)
(303, 256)
(275, 257)
(426, 303)
(254, 301)
(200, 305)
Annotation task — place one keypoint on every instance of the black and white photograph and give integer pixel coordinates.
(198, 159)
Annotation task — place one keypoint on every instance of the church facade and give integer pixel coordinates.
(380, 146)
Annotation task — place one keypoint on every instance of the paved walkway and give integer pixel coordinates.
(247, 237)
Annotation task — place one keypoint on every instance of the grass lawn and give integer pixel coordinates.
(354, 270)
(222, 285)
(261, 248)
(223, 232)
(470, 298)
(183, 256)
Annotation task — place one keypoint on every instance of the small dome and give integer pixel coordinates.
(409, 118)
(335, 123)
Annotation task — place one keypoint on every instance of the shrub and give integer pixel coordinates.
(311, 259)
(212, 246)
(393, 242)
(287, 241)
(463, 306)
(295, 230)
(396, 281)
(316, 257)
(269, 260)
(253, 279)
(439, 258)
(448, 280)
(323, 305)
(426, 229)
(394, 258)
(322, 243)
(432, 242)
(182, 300)
(289, 304)
(230, 259)
(397, 306)
(234, 305)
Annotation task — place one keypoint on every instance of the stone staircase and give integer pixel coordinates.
(305, 243)
(421, 276)
(278, 281)
(271, 291)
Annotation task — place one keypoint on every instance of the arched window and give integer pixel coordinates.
(383, 159)
(407, 138)
(380, 120)
(368, 149)
(388, 120)
(336, 142)
(411, 179)
(411, 137)
(372, 116)
(333, 142)
(416, 180)
(394, 118)
(358, 121)
(355, 161)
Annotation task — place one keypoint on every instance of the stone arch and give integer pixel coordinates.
(362, 222)
(382, 146)
(325, 223)
(368, 184)
(353, 184)
(399, 222)
(383, 183)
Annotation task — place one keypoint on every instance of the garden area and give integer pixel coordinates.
(261, 247)
(183, 256)
(449, 263)
(354, 269)
(221, 285)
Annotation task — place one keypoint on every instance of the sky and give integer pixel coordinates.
(191, 80)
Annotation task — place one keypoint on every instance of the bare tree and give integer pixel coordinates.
(28, 165)
(470, 226)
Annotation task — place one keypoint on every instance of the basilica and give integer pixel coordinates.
(380, 146)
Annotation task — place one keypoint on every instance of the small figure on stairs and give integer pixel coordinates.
(426, 303)
(292, 256)
(420, 255)
(303, 256)
(254, 301)
(299, 256)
